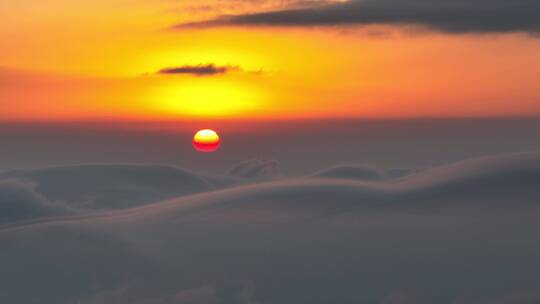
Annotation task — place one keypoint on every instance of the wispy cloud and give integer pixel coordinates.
(209, 8)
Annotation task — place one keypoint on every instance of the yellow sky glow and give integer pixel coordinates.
(68, 60)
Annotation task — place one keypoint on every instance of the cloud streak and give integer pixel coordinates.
(448, 16)
(199, 70)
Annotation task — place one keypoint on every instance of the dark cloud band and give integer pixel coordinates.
(449, 16)
(198, 70)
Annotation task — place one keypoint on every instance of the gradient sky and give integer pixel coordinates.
(171, 59)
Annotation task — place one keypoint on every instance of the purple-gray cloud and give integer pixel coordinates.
(449, 16)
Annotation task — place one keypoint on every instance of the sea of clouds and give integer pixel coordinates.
(459, 233)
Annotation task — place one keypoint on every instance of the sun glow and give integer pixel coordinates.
(206, 97)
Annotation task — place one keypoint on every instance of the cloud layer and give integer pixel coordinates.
(303, 240)
(256, 168)
(358, 172)
(19, 201)
(89, 188)
(449, 16)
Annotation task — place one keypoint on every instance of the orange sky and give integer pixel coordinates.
(80, 60)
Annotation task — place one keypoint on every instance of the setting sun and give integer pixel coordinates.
(206, 140)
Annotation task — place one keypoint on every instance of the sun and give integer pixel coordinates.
(206, 140)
